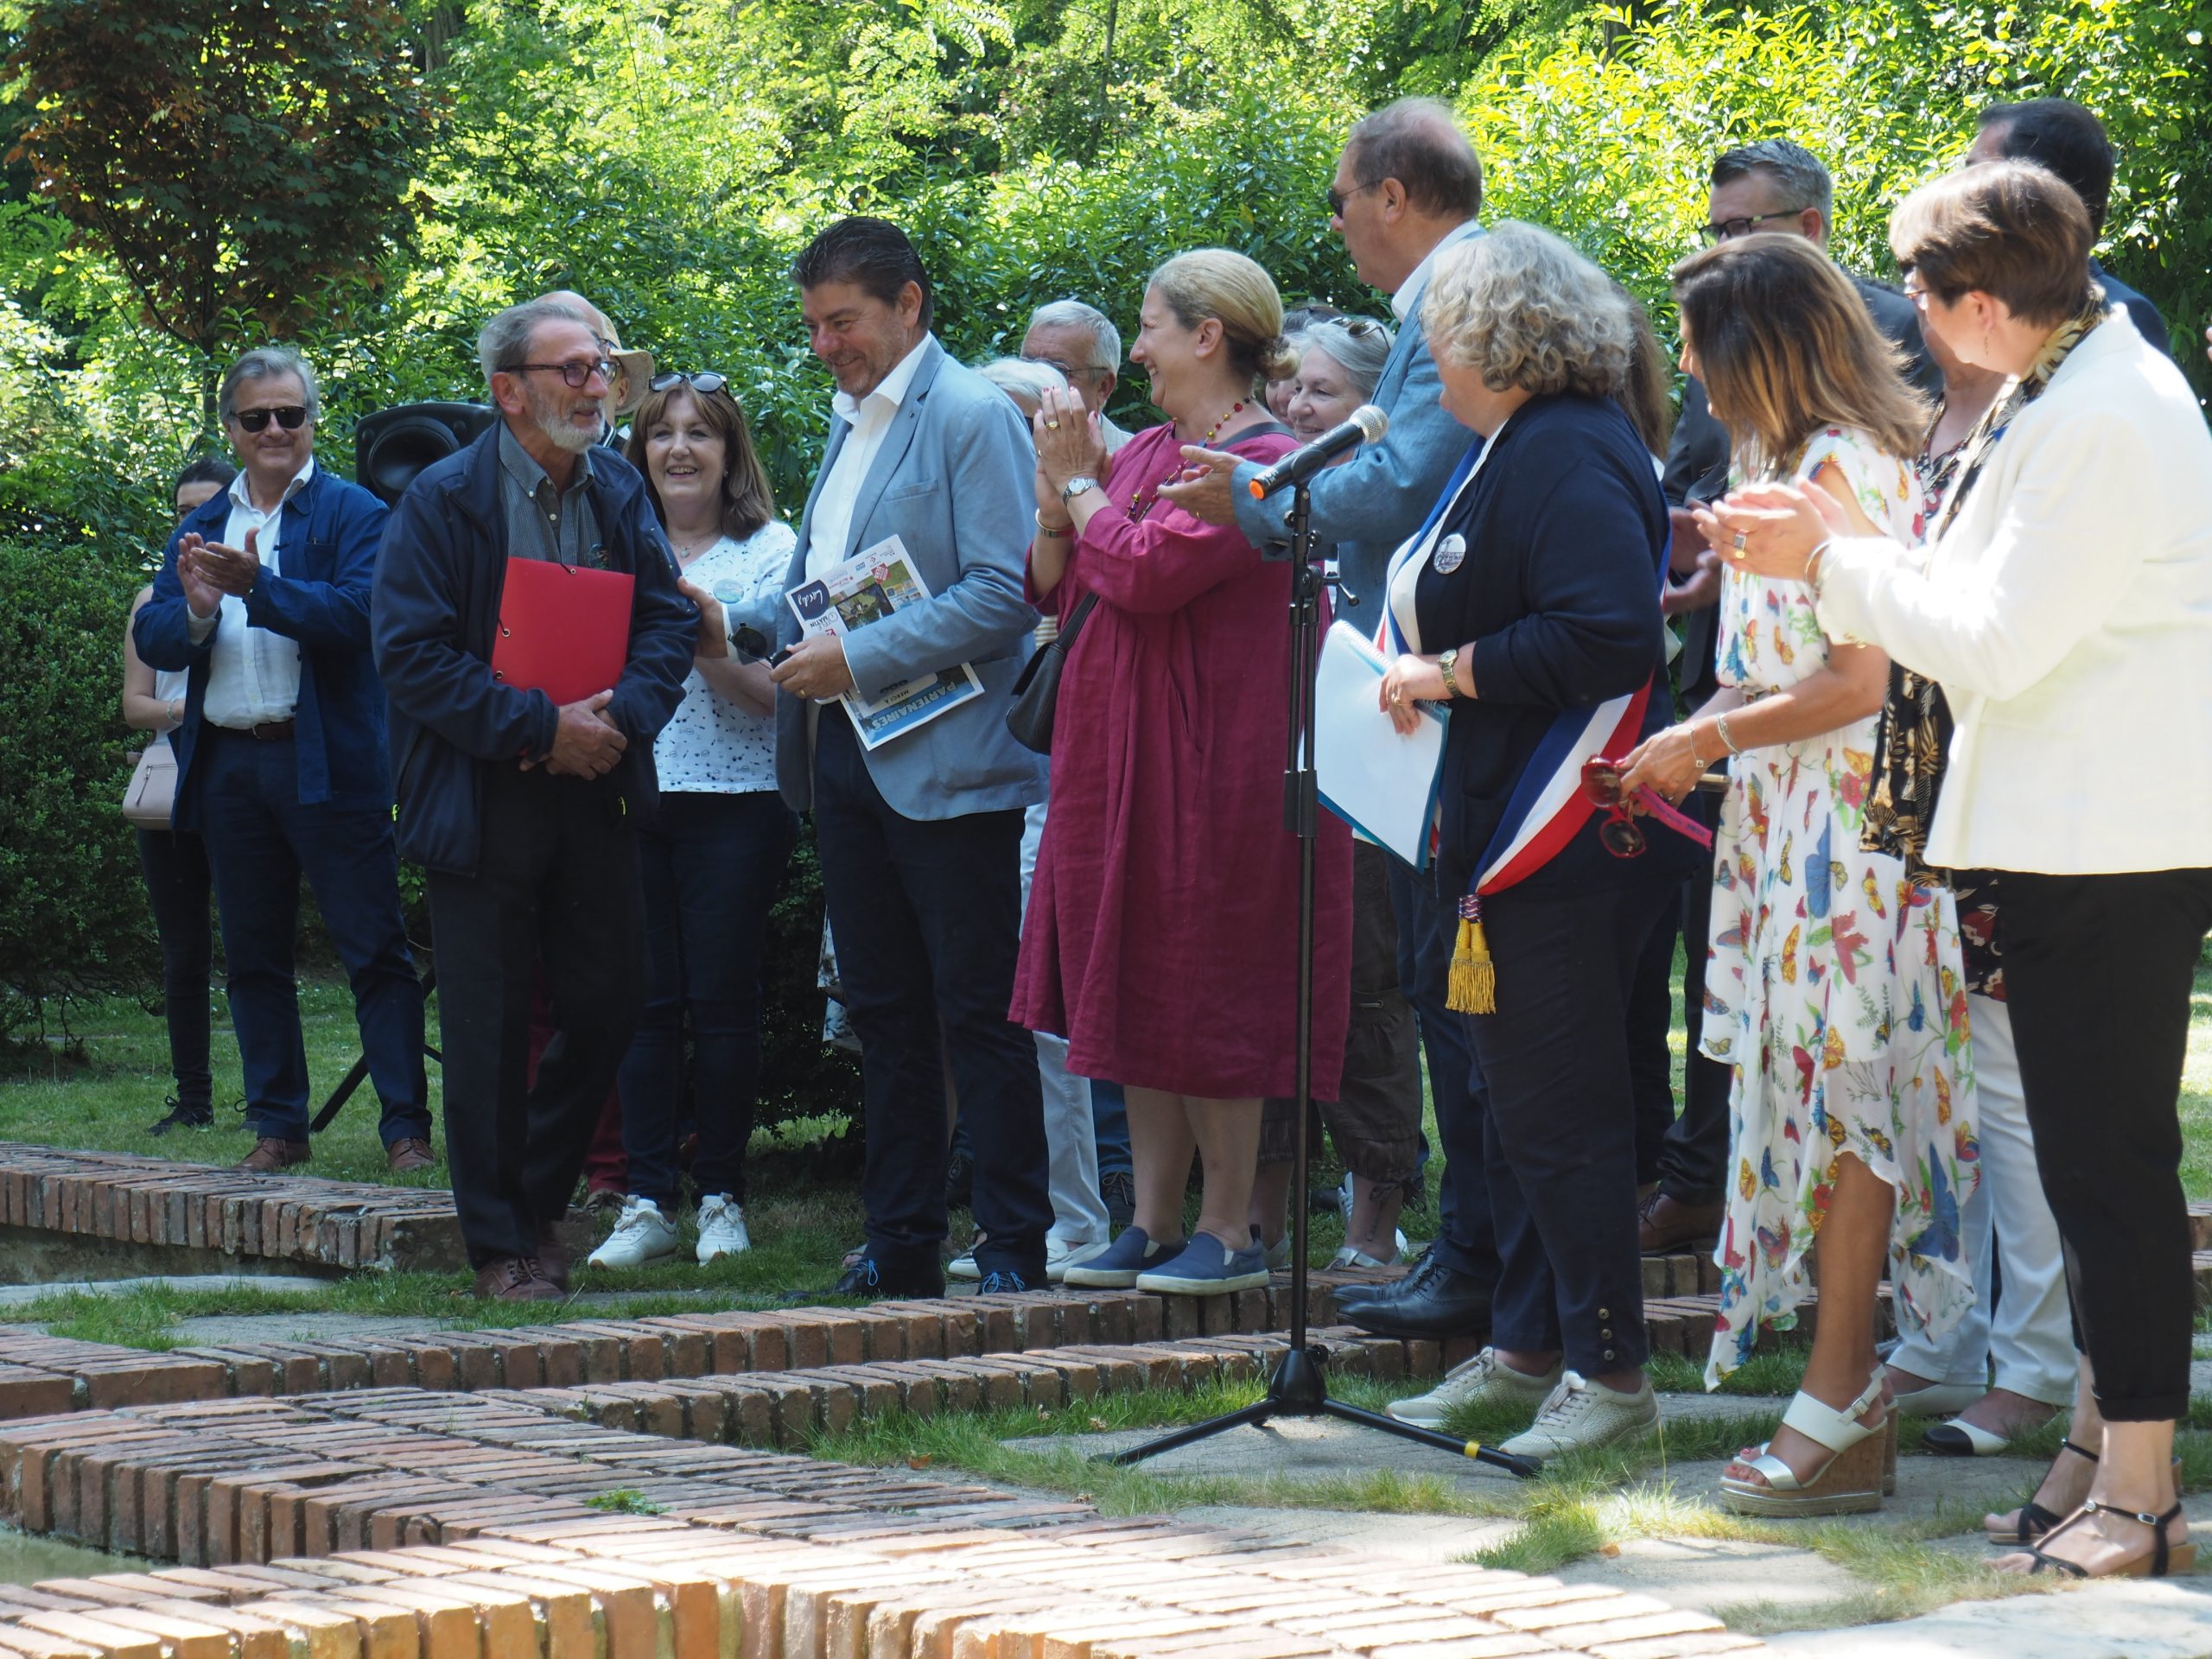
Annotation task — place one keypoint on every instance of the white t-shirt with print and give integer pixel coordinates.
(712, 746)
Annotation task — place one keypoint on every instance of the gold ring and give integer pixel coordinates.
(1397, 693)
(1052, 426)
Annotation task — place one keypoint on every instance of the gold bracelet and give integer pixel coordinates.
(1060, 534)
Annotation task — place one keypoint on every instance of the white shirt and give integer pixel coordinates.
(870, 417)
(253, 674)
(710, 745)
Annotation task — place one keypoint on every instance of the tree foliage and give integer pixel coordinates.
(240, 161)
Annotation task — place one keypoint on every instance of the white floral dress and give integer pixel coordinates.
(1834, 986)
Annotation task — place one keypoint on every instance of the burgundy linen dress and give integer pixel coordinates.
(1162, 934)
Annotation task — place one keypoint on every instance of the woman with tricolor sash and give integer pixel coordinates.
(1529, 604)
(1834, 989)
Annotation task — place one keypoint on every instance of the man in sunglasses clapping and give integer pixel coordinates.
(263, 599)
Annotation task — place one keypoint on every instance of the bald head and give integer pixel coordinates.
(590, 313)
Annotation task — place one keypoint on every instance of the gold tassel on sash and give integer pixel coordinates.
(1473, 987)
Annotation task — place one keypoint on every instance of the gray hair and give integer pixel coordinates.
(506, 337)
(1361, 353)
(266, 363)
(1800, 176)
(1074, 313)
(1025, 382)
(1523, 308)
(1419, 142)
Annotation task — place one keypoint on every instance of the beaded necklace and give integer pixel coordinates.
(1141, 504)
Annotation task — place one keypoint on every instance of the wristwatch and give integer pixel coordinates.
(1448, 662)
(1076, 486)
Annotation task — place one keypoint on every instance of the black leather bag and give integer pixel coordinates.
(1037, 693)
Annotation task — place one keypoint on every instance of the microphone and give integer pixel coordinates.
(1367, 424)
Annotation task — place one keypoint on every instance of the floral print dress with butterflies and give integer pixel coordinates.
(1834, 986)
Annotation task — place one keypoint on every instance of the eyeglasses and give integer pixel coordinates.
(575, 376)
(1338, 198)
(1722, 230)
(1620, 835)
(290, 416)
(705, 380)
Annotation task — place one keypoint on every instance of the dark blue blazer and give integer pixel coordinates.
(1565, 531)
(2148, 322)
(435, 616)
(327, 535)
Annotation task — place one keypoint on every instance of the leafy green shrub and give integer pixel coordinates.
(74, 916)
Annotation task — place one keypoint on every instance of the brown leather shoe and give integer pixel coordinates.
(271, 1154)
(515, 1279)
(1666, 1226)
(410, 1151)
(552, 1255)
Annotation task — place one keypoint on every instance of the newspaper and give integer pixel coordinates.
(875, 583)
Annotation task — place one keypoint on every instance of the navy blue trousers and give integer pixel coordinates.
(177, 884)
(926, 914)
(260, 840)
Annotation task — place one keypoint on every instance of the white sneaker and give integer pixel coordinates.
(1485, 1380)
(721, 1228)
(1580, 1414)
(641, 1234)
(1060, 1256)
(964, 1266)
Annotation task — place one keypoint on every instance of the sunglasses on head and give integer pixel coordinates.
(705, 380)
(290, 416)
(1620, 835)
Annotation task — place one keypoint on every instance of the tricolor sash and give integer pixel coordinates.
(1548, 806)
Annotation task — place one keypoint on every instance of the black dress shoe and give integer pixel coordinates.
(1440, 1303)
(866, 1277)
(1348, 1296)
(196, 1116)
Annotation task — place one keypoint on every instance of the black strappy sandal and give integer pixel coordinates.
(2165, 1560)
(2036, 1521)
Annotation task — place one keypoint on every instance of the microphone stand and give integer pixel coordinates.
(1299, 1384)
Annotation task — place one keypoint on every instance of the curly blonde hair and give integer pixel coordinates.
(1522, 308)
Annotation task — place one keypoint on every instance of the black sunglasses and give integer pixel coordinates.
(1338, 198)
(706, 380)
(290, 416)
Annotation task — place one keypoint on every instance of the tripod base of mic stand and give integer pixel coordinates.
(1300, 1388)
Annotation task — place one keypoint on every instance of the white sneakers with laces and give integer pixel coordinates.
(1580, 1415)
(721, 1227)
(1485, 1380)
(641, 1235)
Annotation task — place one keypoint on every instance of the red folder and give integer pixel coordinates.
(563, 629)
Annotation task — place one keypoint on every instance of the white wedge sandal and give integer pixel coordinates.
(1851, 1482)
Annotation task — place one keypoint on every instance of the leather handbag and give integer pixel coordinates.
(1037, 693)
(150, 797)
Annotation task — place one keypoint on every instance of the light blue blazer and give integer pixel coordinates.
(1374, 501)
(954, 480)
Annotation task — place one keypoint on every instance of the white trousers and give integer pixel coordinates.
(1078, 1212)
(2031, 1338)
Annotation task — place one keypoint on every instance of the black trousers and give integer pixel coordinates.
(178, 884)
(1559, 1134)
(2098, 973)
(1687, 1153)
(1428, 927)
(556, 885)
(926, 915)
(260, 840)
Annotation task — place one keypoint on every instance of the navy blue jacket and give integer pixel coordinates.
(1565, 531)
(326, 538)
(435, 617)
(2148, 322)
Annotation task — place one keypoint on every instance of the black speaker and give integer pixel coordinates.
(393, 445)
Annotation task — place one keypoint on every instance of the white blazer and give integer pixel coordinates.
(2066, 614)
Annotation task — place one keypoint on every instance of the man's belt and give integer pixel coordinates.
(268, 731)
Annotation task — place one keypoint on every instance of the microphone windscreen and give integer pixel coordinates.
(1371, 422)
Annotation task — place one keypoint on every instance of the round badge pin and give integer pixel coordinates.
(1450, 552)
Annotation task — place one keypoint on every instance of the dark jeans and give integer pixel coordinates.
(178, 884)
(926, 915)
(260, 840)
(1109, 1127)
(557, 887)
(1428, 927)
(1375, 1118)
(708, 869)
(1686, 1155)
(2098, 974)
(1560, 1132)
